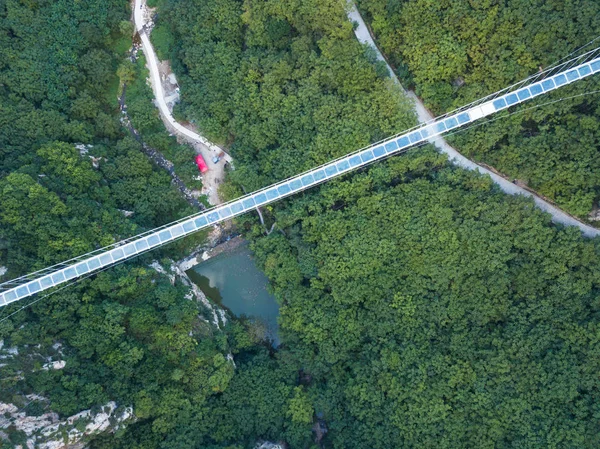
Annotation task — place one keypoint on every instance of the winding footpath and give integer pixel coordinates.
(159, 93)
(558, 216)
(215, 175)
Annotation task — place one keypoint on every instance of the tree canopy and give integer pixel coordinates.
(453, 52)
(420, 306)
(69, 180)
(432, 310)
(58, 92)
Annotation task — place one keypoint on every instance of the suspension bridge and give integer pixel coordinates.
(535, 86)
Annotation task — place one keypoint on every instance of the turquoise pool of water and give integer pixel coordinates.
(233, 280)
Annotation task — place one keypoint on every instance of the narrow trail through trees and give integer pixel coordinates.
(558, 216)
(213, 178)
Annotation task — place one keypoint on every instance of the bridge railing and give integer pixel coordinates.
(118, 252)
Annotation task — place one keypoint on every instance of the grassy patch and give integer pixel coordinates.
(113, 91)
(121, 44)
(163, 41)
(155, 3)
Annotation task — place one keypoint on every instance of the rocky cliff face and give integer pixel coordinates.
(268, 445)
(26, 422)
(47, 431)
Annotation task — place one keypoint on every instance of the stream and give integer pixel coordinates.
(232, 280)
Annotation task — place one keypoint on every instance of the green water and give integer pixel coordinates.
(234, 281)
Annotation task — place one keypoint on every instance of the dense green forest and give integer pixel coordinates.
(433, 311)
(55, 94)
(420, 307)
(453, 52)
(68, 171)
